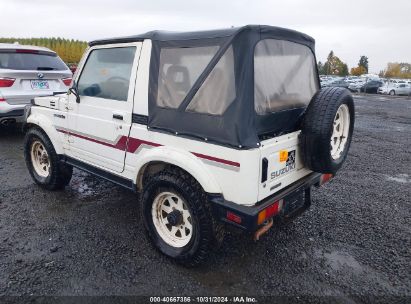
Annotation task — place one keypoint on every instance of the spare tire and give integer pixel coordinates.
(327, 129)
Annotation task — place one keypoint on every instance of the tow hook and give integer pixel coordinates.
(263, 229)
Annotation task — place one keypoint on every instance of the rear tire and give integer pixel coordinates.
(43, 163)
(177, 217)
(327, 130)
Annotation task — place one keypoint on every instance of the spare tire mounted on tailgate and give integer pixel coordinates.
(327, 130)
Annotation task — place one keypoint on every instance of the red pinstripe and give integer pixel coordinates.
(134, 143)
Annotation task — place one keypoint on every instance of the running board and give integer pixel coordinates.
(118, 180)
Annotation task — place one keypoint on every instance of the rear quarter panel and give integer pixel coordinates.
(233, 173)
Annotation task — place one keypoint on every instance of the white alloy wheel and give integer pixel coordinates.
(341, 128)
(40, 159)
(172, 219)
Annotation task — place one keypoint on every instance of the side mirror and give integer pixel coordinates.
(74, 90)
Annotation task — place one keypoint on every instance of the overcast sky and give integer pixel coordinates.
(380, 29)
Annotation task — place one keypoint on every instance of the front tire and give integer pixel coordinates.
(43, 163)
(392, 93)
(177, 218)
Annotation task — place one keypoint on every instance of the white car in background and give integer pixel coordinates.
(400, 89)
(385, 89)
(27, 72)
(356, 85)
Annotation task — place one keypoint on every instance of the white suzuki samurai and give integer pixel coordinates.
(213, 128)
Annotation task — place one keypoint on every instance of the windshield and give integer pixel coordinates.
(31, 61)
(284, 76)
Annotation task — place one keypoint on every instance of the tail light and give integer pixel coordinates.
(270, 211)
(6, 82)
(2, 99)
(232, 217)
(325, 178)
(67, 81)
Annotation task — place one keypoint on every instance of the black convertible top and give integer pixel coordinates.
(280, 33)
(216, 102)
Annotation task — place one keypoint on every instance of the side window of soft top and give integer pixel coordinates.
(106, 73)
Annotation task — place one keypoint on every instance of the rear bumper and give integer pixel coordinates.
(247, 216)
(12, 113)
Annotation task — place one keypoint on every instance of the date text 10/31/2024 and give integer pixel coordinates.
(239, 299)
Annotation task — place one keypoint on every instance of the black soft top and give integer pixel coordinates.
(238, 125)
(278, 32)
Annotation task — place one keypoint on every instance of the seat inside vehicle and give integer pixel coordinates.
(174, 87)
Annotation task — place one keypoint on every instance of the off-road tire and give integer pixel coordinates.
(59, 174)
(317, 128)
(206, 231)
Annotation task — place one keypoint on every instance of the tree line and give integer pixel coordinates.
(69, 50)
(397, 70)
(335, 66)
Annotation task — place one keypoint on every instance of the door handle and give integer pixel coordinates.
(118, 116)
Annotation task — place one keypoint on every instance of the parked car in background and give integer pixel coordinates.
(27, 72)
(339, 83)
(350, 78)
(400, 89)
(326, 80)
(385, 89)
(370, 77)
(370, 86)
(355, 86)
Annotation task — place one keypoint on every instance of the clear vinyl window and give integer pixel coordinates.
(218, 90)
(107, 73)
(179, 70)
(284, 76)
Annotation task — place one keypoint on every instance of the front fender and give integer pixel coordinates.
(44, 122)
(182, 159)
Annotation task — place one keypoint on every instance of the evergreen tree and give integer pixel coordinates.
(320, 67)
(364, 63)
(333, 66)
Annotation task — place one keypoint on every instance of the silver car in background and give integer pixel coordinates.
(392, 89)
(27, 72)
(400, 89)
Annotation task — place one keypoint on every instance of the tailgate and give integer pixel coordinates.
(24, 88)
(282, 158)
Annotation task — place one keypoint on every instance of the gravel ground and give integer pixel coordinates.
(354, 242)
